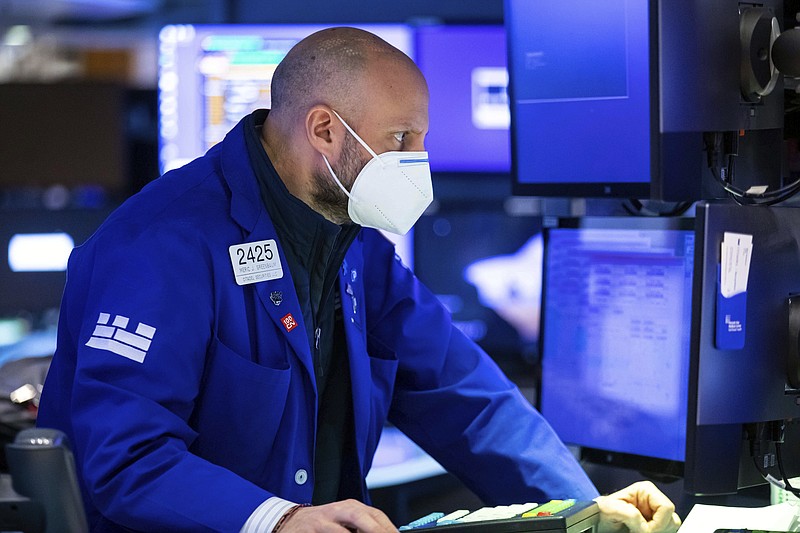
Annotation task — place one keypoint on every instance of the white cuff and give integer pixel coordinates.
(266, 516)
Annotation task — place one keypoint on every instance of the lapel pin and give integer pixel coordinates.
(276, 297)
(289, 322)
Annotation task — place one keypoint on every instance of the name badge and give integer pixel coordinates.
(255, 261)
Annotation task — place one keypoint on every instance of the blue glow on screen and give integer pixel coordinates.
(580, 86)
(465, 67)
(491, 280)
(616, 335)
(574, 53)
(211, 76)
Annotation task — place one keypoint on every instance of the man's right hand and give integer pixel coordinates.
(344, 516)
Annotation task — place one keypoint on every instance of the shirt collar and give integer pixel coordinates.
(298, 225)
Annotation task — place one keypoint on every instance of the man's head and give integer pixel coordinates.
(372, 85)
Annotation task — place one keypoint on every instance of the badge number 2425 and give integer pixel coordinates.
(255, 261)
(257, 253)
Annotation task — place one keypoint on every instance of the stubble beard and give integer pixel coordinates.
(328, 199)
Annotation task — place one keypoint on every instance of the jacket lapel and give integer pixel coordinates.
(280, 300)
(277, 295)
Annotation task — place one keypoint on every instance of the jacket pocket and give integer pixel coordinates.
(239, 409)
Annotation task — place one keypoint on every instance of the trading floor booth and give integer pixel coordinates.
(614, 224)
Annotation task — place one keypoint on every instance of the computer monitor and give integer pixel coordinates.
(465, 66)
(35, 244)
(739, 389)
(484, 261)
(611, 99)
(616, 318)
(647, 366)
(211, 76)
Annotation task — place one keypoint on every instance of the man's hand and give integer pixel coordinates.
(347, 515)
(641, 507)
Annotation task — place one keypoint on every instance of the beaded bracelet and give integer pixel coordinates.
(287, 515)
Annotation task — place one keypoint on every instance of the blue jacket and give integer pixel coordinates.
(190, 399)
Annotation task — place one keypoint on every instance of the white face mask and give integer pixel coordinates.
(392, 190)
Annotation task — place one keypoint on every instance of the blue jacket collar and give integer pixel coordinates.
(246, 205)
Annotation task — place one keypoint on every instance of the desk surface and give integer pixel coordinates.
(399, 460)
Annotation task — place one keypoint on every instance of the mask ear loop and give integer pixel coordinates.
(335, 178)
(359, 139)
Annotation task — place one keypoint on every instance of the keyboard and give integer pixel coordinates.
(556, 516)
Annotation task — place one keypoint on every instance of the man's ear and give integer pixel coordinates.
(321, 131)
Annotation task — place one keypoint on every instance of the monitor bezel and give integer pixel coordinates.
(634, 189)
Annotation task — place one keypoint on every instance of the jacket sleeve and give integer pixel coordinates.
(139, 310)
(452, 399)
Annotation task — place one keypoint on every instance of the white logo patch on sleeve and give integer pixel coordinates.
(116, 338)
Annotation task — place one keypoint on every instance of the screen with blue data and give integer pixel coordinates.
(617, 301)
(465, 67)
(211, 76)
(580, 106)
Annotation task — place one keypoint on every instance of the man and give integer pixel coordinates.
(232, 341)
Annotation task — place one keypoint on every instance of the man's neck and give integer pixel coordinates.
(272, 141)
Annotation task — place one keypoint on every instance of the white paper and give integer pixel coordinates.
(737, 249)
(708, 518)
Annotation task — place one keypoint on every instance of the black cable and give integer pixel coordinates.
(724, 175)
(764, 199)
(632, 206)
(758, 466)
(761, 435)
(635, 208)
(788, 486)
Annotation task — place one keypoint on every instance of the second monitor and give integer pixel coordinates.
(615, 337)
(639, 365)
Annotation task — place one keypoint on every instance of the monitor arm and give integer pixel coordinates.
(766, 53)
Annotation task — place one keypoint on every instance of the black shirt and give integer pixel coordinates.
(314, 249)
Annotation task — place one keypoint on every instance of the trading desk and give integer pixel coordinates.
(398, 460)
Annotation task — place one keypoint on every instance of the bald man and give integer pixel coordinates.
(234, 337)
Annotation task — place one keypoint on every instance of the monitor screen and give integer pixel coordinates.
(465, 67)
(580, 87)
(34, 247)
(615, 337)
(739, 386)
(612, 99)
(211, 76)
(490, 279)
